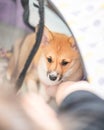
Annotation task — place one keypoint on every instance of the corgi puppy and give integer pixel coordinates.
(57, 60)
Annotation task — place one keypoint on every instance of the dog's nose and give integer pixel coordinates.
(52, 77)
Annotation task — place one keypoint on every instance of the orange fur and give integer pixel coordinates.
(61, 49)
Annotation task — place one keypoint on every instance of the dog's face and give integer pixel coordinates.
(59, 58)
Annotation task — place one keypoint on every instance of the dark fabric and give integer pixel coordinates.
(83, 97)
(86, 108)
(39, 34)
(24, 3)
(26, 13)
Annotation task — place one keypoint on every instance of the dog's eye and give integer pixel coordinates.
(63, 63)
(49, 59)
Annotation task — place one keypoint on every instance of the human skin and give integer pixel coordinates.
(41, 113)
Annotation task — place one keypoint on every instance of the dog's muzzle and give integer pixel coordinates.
(53, 76)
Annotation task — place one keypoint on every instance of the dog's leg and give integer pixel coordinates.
(13, 59)
(43, 93)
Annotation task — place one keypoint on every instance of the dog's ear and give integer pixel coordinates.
(47, 36)
(72, 42)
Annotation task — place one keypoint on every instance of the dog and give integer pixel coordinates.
(57, 60)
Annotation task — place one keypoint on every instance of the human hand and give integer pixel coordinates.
(40, 112)
(68, 87)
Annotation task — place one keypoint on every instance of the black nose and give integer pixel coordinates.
(52, 77)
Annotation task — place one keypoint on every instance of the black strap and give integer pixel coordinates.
(35, 47)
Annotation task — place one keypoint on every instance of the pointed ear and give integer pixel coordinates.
(47, 36)
(72, 43)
